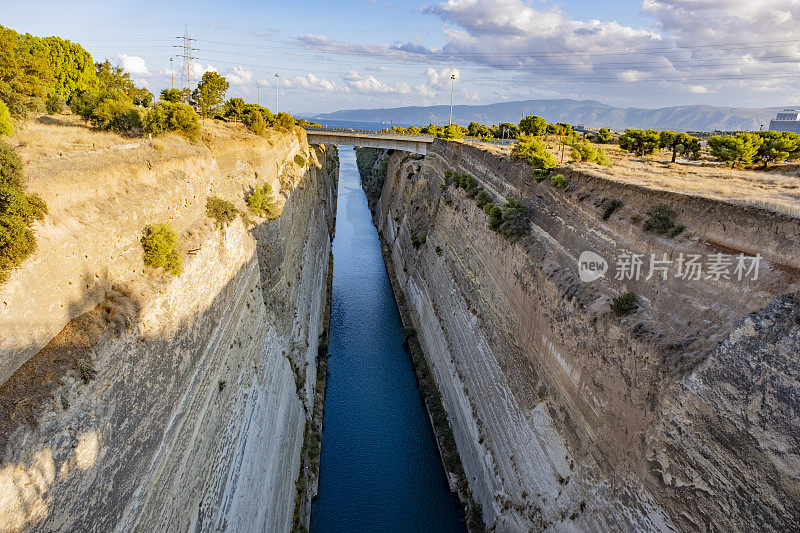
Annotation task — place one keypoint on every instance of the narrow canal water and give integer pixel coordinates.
(380, 468)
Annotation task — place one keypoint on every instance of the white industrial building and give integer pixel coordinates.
(787, 120)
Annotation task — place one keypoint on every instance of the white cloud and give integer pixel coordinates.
(369, 85)
(311, 82)
(441, 78)
(538, 45)
(135, 65)
(238, 76)
(198, 70)
(366, 83)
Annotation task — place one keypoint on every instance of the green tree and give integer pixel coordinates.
(506, 130)
(113, 79)
(777, 146)
(739, 148)
(175, 96)
(515, 219)
(283, 121)
(209, 95)
(116, 115)
(25, 75)
(73, 68)
(430, 129)
(640, 142)
(533, 125)
(255, 122)
(18, 211)
(453, 131)
(603, 136)
(584, 151)
(234, 108)
(679, 144)
(167, 116)
(6, 124)
(478, 130)
(54, 104)
(535, 152)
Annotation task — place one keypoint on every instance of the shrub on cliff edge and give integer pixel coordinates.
(159, 243)
(18, 211)
(262, 202)
(625, 304)
(6, 124)
(221, 210)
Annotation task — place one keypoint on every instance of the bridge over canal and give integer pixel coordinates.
(407, 143)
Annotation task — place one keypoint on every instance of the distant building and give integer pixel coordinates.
(787, 120)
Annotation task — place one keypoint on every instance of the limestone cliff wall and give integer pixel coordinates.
(681, 416)
(204, 381)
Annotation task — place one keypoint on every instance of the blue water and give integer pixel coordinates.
(380, 468)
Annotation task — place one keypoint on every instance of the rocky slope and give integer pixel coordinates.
(680, 416)
(137, 401)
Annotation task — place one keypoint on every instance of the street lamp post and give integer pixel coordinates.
(171, 75)
(258, 94)
(277, 79)
(452, 86)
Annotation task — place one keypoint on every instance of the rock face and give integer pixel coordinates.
(142, 402)
(680, 416)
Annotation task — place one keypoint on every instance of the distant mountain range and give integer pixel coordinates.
(584, 112)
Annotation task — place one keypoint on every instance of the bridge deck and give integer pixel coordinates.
(408, 143)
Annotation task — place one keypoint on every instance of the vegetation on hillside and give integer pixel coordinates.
(534, 151)
(625, 304)
(640, 142)
(223, 211)
(661, 219)
(209, 96)
(261, 202)
(18, 211)
(159, 243)
(168, 116)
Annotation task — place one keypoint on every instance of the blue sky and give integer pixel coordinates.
(339, 54)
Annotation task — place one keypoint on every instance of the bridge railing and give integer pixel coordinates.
(370, 133)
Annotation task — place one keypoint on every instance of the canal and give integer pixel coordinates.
(380, 468)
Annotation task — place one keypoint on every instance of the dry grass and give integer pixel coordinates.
(55, 136)
(777, 190)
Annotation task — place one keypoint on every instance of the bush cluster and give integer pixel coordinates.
(221, 210)
(261, 202)
(171, 116)
(160, 243)
(117, 115)
(584, 151)
(559, 181)
(418, 239)
(511, 221)
(662, 220)
(54, 104)
(18, 211)
(6, 124)
(462, 181)
(534, 151)
(625, 304)
(610, 207)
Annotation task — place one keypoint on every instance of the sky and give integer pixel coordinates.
(345, 54)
